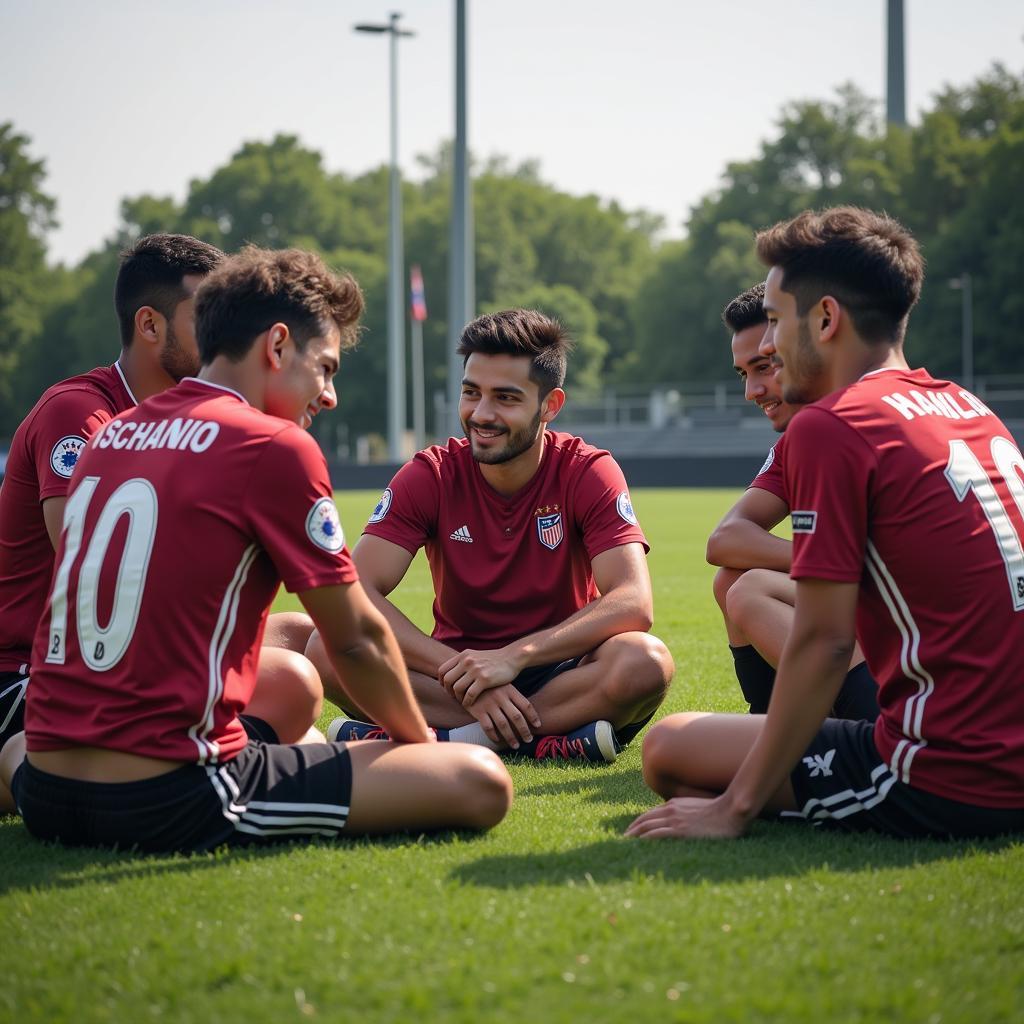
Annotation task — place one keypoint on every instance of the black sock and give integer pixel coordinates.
(756, 677)
(858, 697)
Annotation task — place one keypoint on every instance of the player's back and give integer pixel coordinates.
(43, 455)
(943, 589)
(149, 640)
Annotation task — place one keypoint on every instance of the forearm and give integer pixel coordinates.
(742, 544)
(809, 677)
(621, 610)
(420, 652)
(373, 674)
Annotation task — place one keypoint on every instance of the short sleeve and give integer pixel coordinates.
(59, 433)
(407, 512)
(603, 509)
(771, 476)
(290, 507)
(829, 473)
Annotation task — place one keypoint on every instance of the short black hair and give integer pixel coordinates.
(151, 274)
(252, 291)
(521, 332)
(746, 310)
(868, 262)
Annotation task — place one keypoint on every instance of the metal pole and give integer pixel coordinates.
(396, 306)
(967, 333)
(461, 297)
(895, 90)
(419, 424)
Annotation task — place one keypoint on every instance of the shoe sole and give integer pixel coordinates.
(604, 735)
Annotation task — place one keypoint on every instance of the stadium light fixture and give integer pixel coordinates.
(396, 287)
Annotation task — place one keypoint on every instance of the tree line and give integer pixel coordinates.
(642, 310)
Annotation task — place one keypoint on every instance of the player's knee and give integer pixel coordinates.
(743, 597)
(486, 789)
(723, 581)
(288, 630)
(641, 673)
(663, 751)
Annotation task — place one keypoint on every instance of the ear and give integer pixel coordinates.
(830, 315)
(150, 325)
(277, 341)
(552, 404)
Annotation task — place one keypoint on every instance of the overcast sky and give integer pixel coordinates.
(644, 102)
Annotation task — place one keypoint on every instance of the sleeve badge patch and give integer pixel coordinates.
(625, 508)
(383, 506)
(64, 456)
(768, 462)
(804, 522)
(323, 527)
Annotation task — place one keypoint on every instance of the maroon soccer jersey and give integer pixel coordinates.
(507, 567)
(912, 487)
(43, 454)
(772, 475)
(184, 515)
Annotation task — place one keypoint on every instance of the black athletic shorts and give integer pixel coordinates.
(534, 678)
(12, 703)
(843, 782)
(268, 793)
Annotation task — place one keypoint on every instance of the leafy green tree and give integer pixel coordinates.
(26, 212)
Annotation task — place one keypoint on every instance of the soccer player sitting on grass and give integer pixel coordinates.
(542, 596)
(753, 587)
(154, 299)
(908, 514)
(172, 551)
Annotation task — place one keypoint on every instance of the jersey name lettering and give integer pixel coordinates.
(917, 403)
(143, 436)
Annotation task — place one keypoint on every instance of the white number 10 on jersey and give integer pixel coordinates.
(103, 647)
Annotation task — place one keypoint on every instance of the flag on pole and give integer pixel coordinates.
(418, 295)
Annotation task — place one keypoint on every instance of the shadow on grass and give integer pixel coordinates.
(770, 851)
(31, 864)
(599, 786)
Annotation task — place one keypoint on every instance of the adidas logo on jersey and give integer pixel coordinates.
(462, 533)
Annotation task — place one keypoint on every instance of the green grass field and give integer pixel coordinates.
(551, 916)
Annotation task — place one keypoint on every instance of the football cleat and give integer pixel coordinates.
(344, 730)
(593, 742)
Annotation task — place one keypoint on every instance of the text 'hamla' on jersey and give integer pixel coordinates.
(44, 452)
(183, 517)
(912, 487)
(505, 567)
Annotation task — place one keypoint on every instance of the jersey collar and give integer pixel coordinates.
(218, 387)
(124, 381)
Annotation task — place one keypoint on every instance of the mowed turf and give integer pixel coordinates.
(551, 917)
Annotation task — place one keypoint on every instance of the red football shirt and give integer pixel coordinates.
(507, 567)
(43, 454)
(912, 487)
(183, 517)
(772, 475)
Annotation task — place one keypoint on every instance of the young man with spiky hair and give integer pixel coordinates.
(752, 587)
(542, 596)
(907, 515)
(132, 722)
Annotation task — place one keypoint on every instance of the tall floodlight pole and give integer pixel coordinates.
(895, 90)
(461, 274)
(396, 276)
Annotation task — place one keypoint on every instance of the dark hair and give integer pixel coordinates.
(867, 261)
(521, 332)
(257, 288)
(746, 310)
(151, 273)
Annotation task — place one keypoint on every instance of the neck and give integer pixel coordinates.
(853, 361)
(241, 377)
(509, 477)
(143, 378)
